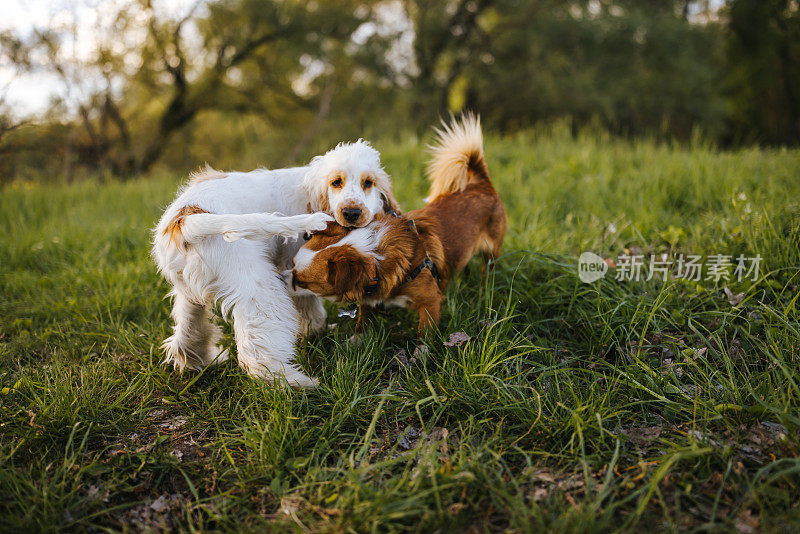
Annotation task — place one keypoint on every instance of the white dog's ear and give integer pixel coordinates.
(390, 207)
(384, 186)
(316, 186)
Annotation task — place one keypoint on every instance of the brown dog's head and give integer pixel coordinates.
(337, 262)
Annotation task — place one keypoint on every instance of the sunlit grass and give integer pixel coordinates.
(612, 405)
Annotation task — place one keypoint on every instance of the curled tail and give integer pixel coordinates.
(457, 156)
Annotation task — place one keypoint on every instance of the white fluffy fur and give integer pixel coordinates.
(251, 225)
(243, 275)
(352, 159)
(364, 240)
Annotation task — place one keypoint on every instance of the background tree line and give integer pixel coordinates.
(246, 82)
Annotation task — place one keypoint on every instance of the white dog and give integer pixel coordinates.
(197, 249)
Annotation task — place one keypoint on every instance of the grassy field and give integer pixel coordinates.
(617, 405)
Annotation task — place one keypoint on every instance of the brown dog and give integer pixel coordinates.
(408, 260)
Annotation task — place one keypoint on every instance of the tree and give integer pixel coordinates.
(636, 66)
(239, 56)
(763, 47)
(448, 34)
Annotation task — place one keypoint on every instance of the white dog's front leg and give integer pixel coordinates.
(193, 344)
(252, 225)
(266, 326)
(312, 313)
(265, 344)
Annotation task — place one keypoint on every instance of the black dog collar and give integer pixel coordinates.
(427, 263)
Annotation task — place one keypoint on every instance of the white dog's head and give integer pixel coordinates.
(349, 183)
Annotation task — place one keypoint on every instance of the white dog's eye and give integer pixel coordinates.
(367, 184)
(337, 183)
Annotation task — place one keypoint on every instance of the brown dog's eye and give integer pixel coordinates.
(367, 184)
(337, 183)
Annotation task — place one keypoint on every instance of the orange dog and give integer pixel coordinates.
(408, 260)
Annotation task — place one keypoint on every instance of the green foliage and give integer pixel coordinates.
(633, 68)
(763, 42)
(574, 407)
(246, 81)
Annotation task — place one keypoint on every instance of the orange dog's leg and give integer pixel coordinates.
(429, 314)
(493, 240)
(429, 309)
(365, 313)
(360, 321)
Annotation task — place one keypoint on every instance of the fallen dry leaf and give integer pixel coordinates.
(438, 433)
(456, 507)
(161, 504)
(420, 352)
(642, 437)
(401, 357)
(539, 494)
(457, 339)
(747, 522)
(409, 439)
(544, 476)
(733, 298)
(290, 505)
(174, 423)
(356, 339)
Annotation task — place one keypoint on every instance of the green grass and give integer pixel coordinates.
(573, 407)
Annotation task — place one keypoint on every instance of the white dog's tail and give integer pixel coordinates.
(193, 224)
(457, 156)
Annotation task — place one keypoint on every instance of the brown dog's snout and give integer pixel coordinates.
(351, 215)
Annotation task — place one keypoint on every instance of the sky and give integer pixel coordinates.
(30, 93)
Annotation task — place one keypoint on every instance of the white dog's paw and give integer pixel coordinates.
(317, 222)
(179, 356)
(301, 381)
(221, 356)
(232, 236)
(288, 373)
(298, 379)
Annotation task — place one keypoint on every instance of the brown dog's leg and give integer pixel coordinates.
(429, 314)
(360, 321)
(365, 313)
(494, 234)
(429, 309)
(491, 251)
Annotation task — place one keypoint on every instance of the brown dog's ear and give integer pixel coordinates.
(347, 273)
(339, 276)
